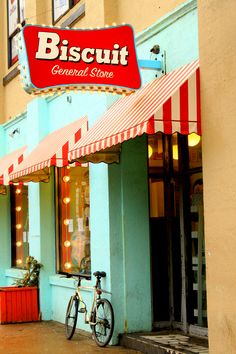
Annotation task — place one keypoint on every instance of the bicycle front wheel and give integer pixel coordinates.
(103, 319)
(71, 316)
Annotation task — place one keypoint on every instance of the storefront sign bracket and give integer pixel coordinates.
(153, 64)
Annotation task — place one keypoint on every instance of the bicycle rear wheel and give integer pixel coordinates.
(71, 316)
(103, 318)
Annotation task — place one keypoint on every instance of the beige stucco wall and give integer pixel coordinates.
(217, 33)
(140, 14)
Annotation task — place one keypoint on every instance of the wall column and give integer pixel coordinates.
(129, 239)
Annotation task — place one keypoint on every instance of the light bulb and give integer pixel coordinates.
(66, 222)
(18, 208)
(18, 226)
(18, 244)
(67, 243)
(66, 200)
(66, 178)
(19, 261)
(18, 190)
(67, 265)
(193, 139)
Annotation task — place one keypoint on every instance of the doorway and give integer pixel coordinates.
(176, 232)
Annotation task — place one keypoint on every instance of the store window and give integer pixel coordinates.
(73, 216)
(16, 15)
(60, 7)
(19, 224)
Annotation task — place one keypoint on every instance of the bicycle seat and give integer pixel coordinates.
(99, 274)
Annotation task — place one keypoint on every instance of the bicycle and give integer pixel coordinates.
(101, 316)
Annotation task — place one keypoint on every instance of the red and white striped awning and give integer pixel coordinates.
(51, 151)
(168, 104)
(9, 163)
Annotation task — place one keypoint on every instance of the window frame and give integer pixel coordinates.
(18, 217)
(70, 4)
(59, 225)
(14, 33)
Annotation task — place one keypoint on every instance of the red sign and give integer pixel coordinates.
(62, 57)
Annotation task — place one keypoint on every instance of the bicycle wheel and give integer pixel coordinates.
(103, 318)
(71, 316)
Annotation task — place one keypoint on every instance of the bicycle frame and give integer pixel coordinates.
(97, 291)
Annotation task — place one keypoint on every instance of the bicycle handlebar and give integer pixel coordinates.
(97, 274)
(79, 275)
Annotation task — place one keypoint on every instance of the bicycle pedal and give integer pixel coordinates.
(82, 310)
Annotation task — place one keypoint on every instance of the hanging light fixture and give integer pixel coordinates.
(193, 139)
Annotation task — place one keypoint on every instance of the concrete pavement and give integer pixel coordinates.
(49, 338)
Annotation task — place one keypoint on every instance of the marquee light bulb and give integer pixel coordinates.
(66, 200)
(66, 222)
(67, 243)
(18, 226)
(18, 208)
(66, 178)
(18, 191)
(67, 265)
(18, 244)
(19, 261)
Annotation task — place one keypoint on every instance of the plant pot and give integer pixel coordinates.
(18, 304)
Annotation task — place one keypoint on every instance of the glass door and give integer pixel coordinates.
(165, 230)
(177, 233)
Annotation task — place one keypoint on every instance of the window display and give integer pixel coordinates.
(74, 231)
(20, 224)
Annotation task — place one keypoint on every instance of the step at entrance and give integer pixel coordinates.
(155, 343)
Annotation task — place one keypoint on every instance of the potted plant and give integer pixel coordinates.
(19, 303)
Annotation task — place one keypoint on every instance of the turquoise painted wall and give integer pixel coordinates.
(129, 238)
(47, 245)
(2, 141)
(71, 106)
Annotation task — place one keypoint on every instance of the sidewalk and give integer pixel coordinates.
(49, 338)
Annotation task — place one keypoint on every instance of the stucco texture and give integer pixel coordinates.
(217, 33)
